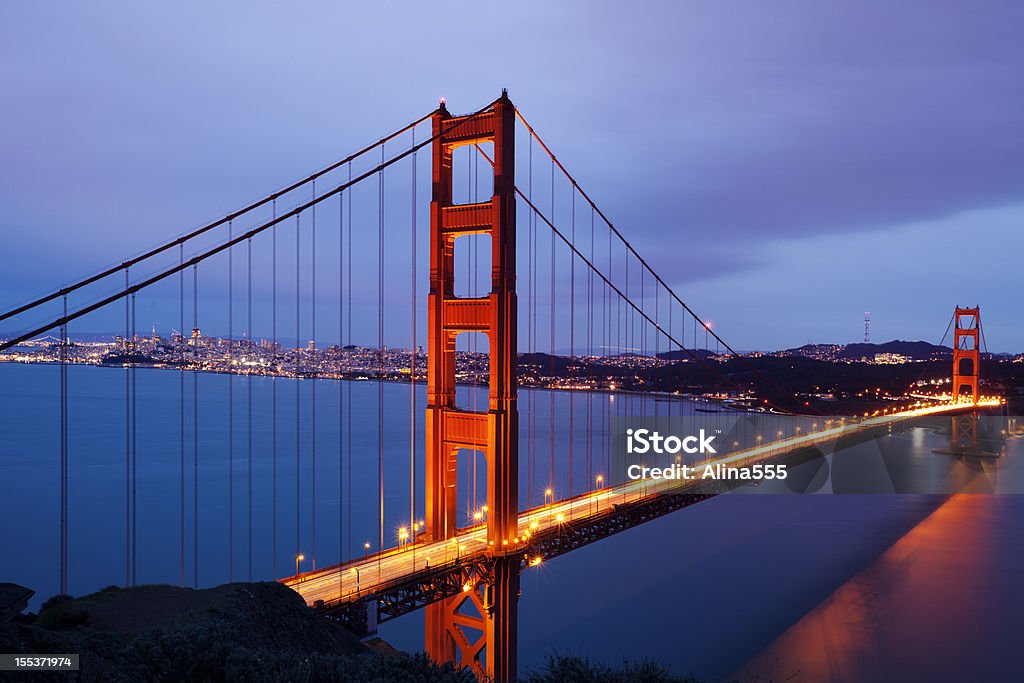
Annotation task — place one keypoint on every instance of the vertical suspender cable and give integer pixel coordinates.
(643, 338)
(127, 445)
(248, 390)
(348, 385)
(707, 346)
(380, 359)
(64, 452)
(620, 331)
(530, 324)
(231, 411)
(316, 374)
(412, 353)
(536, 308)
(341, 385)
(181, 414)
(638, 340)
(631, 344)
(606, 346)
(624, 332)
(551, 352)
(716, 357)
(657, 312)
(135, 449)
(657, 337)
(572, 335)
(298, 389)
(275, 369)
(590, 356)
(196, 339)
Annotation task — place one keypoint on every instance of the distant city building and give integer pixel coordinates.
(891, 358)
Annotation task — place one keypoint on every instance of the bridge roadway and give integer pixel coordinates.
(359, 579)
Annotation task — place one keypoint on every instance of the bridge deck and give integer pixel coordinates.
(358, 579)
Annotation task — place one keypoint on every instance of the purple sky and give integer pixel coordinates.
(786, 166)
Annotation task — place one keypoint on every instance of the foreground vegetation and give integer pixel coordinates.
(237, 632)
(242, 632)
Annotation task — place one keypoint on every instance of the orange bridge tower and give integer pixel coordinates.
(477, 628)
(966, 362)
(966, 355)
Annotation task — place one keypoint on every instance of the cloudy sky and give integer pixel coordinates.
(786, 166)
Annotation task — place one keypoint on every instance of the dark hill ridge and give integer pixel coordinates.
(916, 350)
(544, 362)
(234, 632)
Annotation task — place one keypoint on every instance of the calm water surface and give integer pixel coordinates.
(813, 587)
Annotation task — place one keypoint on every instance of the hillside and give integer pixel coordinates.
(914, 350)
(239, 631)
(242, 632)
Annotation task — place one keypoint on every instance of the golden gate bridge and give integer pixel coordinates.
(549, 481)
